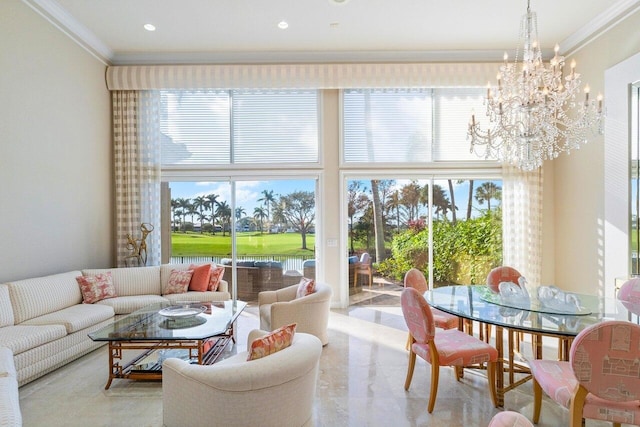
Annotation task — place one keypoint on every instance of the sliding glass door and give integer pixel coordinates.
(263, 231)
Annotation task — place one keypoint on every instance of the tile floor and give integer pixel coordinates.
(361, 381)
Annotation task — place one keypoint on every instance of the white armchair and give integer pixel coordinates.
(311, 313)
(276, 390)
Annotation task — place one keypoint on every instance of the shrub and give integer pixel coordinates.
(463, 252)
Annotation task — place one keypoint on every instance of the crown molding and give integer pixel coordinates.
(65, 22)
(598, 25)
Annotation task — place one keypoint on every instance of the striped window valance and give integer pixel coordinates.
(299, 76)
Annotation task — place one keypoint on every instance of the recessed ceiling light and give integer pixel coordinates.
(334, 24)
(283, 25)
(149, 27)
(339, 1)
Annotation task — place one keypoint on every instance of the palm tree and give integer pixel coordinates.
(267, 199)
(470, 199)
(174, 205)
(224, 213)
(411, 198)
(260, 214)
(185, 205)
(200, 203)
(239, 212)
(394, 203)
(440, 201)
(453, 201)
(487, 191)
(213, 203)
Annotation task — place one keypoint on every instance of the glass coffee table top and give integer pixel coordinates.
(166, 321)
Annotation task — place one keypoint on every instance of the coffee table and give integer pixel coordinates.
(197, 331)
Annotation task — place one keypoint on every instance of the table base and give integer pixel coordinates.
(206, 352)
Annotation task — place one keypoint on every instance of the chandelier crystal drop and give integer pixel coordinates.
(536, 111)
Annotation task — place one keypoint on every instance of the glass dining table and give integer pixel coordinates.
(476, 303)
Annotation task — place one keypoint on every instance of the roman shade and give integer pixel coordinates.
(298, 76)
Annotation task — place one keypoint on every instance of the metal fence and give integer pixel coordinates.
(289, 262)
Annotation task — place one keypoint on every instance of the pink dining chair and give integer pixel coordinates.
(509, 419)
(629, 296)
(502, 274)
(449, 347)
(415, 279)
(494, 278)
(600, 381)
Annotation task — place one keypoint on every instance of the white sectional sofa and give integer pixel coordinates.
(45, 324)
(10, 415)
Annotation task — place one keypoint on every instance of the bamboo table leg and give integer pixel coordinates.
(500, 367)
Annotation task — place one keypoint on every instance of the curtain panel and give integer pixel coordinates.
(522, 222)
(299, 76)
(137, 177)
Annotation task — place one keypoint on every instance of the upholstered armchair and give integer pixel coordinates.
(275, 390)
(311, 312)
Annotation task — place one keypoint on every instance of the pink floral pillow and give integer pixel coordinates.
(178, 282)
(216, 276)
(305, 287)
(273, 342)
(96, 288)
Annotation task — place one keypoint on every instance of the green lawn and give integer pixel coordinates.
(252, 243)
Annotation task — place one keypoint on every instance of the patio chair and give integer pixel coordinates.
(449, 347)
(600, 381)
(363, 267)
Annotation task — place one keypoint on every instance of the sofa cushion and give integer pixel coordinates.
(273, 342)
(96, 288)
(75, 318)
(132, 280)
(200, 278)
(217, 271)
(129, 304)
(305, 287)
(21, 338)
(178, 282)
(6, 311)
(28, 296)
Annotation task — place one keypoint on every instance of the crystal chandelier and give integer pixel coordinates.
(534, 112)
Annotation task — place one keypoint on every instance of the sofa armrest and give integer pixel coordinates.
(223, 286)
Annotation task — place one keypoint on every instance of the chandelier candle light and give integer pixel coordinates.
(535, 111)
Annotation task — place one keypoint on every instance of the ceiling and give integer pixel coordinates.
(246, 31)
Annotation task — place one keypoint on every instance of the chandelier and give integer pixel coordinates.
(536, 111)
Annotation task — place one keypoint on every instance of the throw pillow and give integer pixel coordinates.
(200, 278)
(305, 287)
(272, 342)
(96, 288)
(178, 282)
(216, 276)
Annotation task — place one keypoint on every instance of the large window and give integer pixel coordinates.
(221, 209)
(446, 222)
(238, 127)
(448, 228)
(408, 125)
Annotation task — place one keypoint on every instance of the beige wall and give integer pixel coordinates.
(56, 198)
(579, 179)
